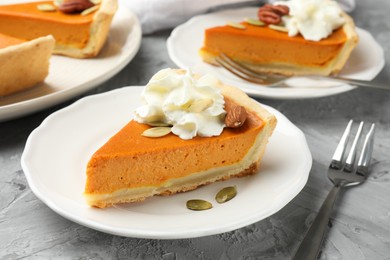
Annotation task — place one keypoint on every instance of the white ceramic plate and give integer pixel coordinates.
(366, 61)
(57, 152)
(70, 77)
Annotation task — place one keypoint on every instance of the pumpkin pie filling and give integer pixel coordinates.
(6, 40)
(66, 29)
(263, 45)
(130, 148)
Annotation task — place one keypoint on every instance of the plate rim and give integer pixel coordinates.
(161, 234)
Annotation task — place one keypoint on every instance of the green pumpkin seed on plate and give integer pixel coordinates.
(198, 204)
(226, 194)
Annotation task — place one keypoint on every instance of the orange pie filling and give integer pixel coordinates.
(67, 29)
(6, 40)
(263, 45)
(142, 164)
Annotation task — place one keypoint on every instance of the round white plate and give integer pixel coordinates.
(365, 62)
(57, 152)
(69, 77)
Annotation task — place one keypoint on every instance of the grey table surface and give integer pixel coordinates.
(360, 223)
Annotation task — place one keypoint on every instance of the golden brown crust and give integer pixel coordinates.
(99, 30)
(24, 65)
(350, 44)
(122, 196)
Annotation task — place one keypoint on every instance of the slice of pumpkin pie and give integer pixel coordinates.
(79, 27)
(192, 131)
(296, 37)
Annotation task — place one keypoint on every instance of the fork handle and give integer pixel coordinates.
(362, 83)
(310, 245)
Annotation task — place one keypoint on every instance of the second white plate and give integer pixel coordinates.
(57, 152)
(366, 61)
(69, 77)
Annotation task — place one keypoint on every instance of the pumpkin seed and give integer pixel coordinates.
(90, 10)
(254, 22)
(226, 194)
(157, 131)
(57, 2)
(278, 28)
(46, 7)
(158, 123)
(200, 105)
(198, 204)
(236, 25)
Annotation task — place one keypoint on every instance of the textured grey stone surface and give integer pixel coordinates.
(360, 223)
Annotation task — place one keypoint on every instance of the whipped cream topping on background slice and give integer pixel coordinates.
(313, 19)
(193, 106)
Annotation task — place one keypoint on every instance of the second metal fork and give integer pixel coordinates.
(342, 174)
(276, 80)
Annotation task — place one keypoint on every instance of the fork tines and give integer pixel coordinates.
(239, 69)
(365, 155)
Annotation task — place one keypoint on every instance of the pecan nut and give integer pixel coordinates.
(280, 9)
(272, 14)
(269, 17)
(74, 6)
(235, 116)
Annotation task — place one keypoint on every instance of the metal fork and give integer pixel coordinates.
(342, 174)
(275, 80)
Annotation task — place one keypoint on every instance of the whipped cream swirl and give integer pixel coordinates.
(193, 106)
(313, 19)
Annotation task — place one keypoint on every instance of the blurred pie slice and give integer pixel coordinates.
(23, 64)
(268, 50)
(77, 35)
